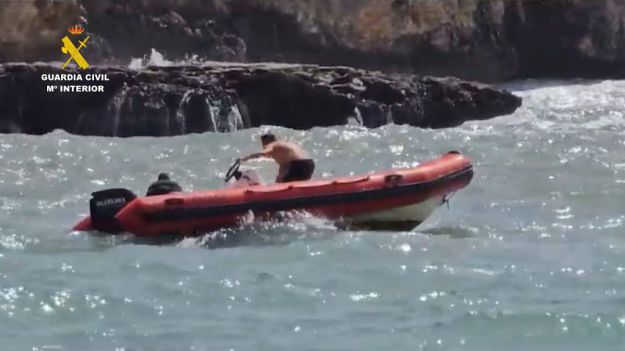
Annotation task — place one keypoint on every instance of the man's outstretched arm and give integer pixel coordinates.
(253, 156)
(265, 153)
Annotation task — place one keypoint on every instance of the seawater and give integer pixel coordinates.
(530, 256)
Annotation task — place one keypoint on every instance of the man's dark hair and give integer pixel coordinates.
(267, 138)
(163, 176)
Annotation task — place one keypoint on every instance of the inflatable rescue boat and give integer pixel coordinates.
(397, 198)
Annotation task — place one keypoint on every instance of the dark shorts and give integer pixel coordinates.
(298, 170)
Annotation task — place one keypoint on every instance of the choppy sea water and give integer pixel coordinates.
(530, 256)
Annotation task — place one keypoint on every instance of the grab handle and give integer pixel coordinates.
(393, 179)
(351, 181)
(249, 191)
(174, 201)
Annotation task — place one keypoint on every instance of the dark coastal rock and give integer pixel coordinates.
(119, 30)
(32, 30)
(568, 38)
(132, 28)
(486, 40)
(160, 101)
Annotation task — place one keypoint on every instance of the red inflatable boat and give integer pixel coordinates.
(398, 198)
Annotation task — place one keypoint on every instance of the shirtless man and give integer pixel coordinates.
(293, 161)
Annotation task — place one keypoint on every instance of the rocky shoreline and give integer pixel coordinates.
(490, 41)
(161, 101)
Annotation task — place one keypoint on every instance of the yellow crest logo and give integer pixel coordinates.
(70, 49)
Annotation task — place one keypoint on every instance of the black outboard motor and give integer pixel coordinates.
(105, 204)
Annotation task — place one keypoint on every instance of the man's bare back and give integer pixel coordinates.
(294, 163)
(284, 152)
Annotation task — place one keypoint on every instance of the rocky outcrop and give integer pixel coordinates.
(134, 103)
(443, 38)
(31, 30)
(178, 28)
(488, 40)
(119, 30)
(175, 100)
(567, 38)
